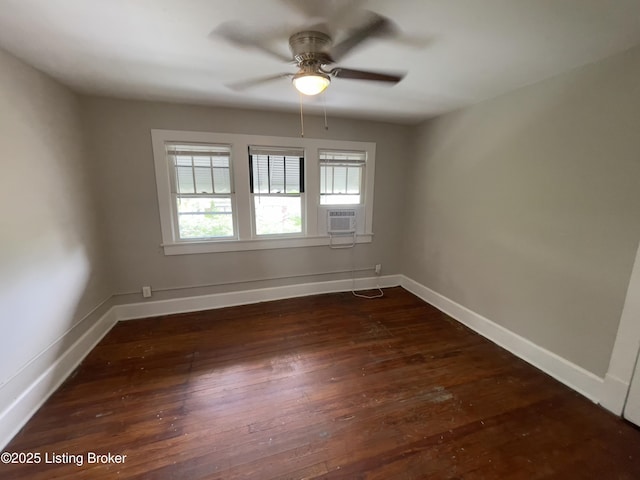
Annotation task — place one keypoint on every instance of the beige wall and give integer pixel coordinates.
(51, 257)
(525, 208)
(118, 132)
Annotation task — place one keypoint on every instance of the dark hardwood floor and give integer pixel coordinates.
(323, 387)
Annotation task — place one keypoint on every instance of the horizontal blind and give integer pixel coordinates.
(276, 170)
(276, 151)
(199, 149)
(341, 157)
(341, 172)
(200, 169)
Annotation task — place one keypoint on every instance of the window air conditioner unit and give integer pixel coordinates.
(341, 221)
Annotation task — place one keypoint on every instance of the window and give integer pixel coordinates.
(341, 175)
(276, 178)
(202, 190)
(223, 192)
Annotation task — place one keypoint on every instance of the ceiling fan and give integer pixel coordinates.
(313, 51)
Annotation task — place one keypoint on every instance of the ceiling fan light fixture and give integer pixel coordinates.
(311, 83)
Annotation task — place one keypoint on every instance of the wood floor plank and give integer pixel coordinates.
(322, 387)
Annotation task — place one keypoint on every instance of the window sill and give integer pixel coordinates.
(262, 244)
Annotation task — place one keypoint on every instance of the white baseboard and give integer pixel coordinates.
(246, 297)
(39, 386)
(572, 375)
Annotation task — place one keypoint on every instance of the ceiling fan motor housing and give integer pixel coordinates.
(310, 48)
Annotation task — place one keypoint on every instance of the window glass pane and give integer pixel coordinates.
(203, 180)
(339, 180)
(340, 185)
(204, 217)
(185, 179)
(353, 179)
(278, 214)
(324, 176)
(222, 180)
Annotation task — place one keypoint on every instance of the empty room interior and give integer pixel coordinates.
(342, 239)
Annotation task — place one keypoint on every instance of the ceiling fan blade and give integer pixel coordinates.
(375, 25)
(254, 82)
(238, 35)
(365, 75)
(308, 8)
(328, 10)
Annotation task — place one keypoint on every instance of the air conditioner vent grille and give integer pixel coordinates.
(341, 221)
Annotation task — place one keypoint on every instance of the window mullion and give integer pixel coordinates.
(346, 178)
(213, 182)
(193, 174)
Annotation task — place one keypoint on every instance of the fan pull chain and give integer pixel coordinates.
(301, 117)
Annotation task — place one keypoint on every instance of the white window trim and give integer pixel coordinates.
(314, 233)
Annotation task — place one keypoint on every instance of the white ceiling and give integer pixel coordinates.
(456, 52)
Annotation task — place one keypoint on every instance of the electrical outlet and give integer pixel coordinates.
(378, 268)
(146, 292)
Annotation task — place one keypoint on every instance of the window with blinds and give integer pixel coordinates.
(276, 180)
(341, 177)
(203, 190)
